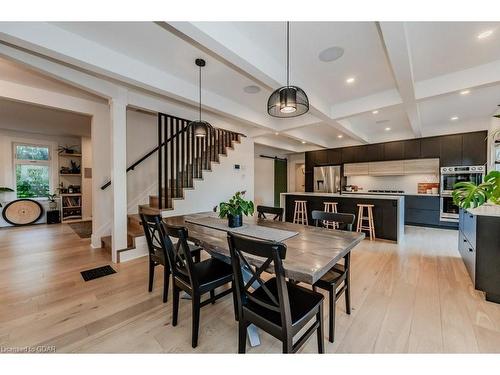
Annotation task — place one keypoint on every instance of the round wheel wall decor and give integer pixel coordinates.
(22, 212)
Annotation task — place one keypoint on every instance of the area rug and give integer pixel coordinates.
(83, 228)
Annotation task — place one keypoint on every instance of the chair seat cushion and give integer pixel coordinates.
(333, 276)
(302, 301)
(210, 271)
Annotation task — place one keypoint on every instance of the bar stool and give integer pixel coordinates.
(300, 213)
(371, 226)
(330, 207)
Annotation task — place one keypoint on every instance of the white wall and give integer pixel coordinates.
(86, 179)
(264, 181)
(293, 160)
(406, 183)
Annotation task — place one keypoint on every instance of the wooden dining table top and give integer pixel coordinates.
(309, 255)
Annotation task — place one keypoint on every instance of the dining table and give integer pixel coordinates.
(310, 251)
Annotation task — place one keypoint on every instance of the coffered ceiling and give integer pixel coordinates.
(405, 81)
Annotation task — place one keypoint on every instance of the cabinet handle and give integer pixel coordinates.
(470, 250)
(465, 240)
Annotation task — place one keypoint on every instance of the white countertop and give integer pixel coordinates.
(486, 210)
(350, 195)
(375, 193)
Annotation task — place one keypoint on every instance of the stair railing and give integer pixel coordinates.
(182, 156)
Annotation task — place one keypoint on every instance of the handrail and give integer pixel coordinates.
(146, 156)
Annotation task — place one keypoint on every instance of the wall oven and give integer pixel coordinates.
(449, 177)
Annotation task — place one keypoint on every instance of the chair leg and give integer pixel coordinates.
(196, 319)
(151, 275)
(331, 328)
(242, 337)
(235, 302)
(175, 305)
(319, 332)
(166, 279)
(197, 256)
(287, 346)
(212, 296)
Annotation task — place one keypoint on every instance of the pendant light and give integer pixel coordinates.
(288, 101)
(200, 128)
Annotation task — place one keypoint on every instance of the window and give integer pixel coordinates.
(32, 167)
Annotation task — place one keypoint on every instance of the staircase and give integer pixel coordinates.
(182, 160)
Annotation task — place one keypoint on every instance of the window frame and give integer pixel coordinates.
(47, 163)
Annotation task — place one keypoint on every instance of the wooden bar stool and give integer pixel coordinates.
(330, 207)
(300, 213)
(371, 226)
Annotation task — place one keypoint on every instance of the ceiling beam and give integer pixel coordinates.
(397, 49)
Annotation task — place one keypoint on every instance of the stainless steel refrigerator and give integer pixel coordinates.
(327, 179)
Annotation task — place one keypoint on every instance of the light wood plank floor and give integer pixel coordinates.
(413, 297)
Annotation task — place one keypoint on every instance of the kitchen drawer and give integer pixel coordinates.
(468, 253)
(469, 227)
(419, 216)
(422, 202)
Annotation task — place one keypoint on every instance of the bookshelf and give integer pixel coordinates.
(70, 183)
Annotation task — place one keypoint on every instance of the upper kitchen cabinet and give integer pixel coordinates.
(386, 168)
(421, 166)
(334, 157)
(393, 150)
(451, 150)
(321, 157)
(349, 154)
(356, 169)
(374, 152)
(472, 152)
(430, 147)
(411, 149)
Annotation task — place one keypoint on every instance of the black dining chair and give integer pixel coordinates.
(154, 232)
(276, 211)
(279, 307)
(339, 274)
(196, 279)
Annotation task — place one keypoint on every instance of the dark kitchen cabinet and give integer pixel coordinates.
(367, 153)
(334, 157)
(411, 149)
(320, 157)
(349, 154)
(430, 148)
(472, 152)
(450, 150)
(422, 210)
(393, 150)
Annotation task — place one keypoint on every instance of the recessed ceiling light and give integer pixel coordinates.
(454, 118)
(350, 80)
(331, 54)
(464, 92)
(339, 136)
(375, 112)
(303, 142)
(387, 129)
(485, 34)
(276, 133)
(252, 89)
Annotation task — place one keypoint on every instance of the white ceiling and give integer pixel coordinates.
(411, 73)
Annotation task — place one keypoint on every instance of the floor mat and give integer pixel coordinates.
(95, 273)
(83, 228)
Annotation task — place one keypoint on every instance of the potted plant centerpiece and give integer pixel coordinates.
(235, 208)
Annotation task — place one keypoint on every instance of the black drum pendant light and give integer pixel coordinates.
(200, 128)
(288, 101)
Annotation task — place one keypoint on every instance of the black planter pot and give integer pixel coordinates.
(234, 221)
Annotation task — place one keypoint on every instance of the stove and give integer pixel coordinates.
(387, 191)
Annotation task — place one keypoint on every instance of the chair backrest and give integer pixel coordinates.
(276, 211)
(345, 221)
(180, 258)
(154, 233)
(272, 253)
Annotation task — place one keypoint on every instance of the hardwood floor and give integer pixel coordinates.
(413, 297)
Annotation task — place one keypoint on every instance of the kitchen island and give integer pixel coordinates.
(388, 210)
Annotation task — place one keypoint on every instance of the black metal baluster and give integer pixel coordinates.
(160, 117)
(183, 158)
(176, 135)
(164, 202)
(172, 159)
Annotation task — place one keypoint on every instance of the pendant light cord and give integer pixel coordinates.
(287, 53)
(200, 96)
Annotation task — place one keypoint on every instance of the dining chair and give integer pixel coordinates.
(279, 307)
(339, 274)
(154, 232)
(276, 211)
(196, 279)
